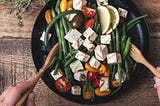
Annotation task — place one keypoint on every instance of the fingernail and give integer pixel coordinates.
(32, 97)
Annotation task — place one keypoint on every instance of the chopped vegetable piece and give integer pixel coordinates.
(63, 84)
(48, 16)
(89, 68)
(88, 12)
(87, 92)
(102, 93)
(90, 23)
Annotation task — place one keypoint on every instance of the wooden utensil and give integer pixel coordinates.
(136, 54)
(42, 70)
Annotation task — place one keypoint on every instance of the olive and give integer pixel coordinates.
(77, 21)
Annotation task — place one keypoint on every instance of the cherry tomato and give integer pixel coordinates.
(90, 23)
(96, 83)
(92, 75)
(88, 12)
(63, 84)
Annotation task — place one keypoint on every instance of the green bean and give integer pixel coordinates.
(116, 90)
(64, 47)
(123, 43)
(52, 62)
(117, 41)
(134, 21)
(127, 47)
(119, 68)
(68, 73)
(58, 33)
(126, 69)
(56, 67)
(113, 71)
(113, 43)
(129, 27)
(69, 61)
(54, 20)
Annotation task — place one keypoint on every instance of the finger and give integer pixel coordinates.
(24, 86)
(31, 100)
(158, 69)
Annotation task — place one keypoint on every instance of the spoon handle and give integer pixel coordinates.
(51, 54)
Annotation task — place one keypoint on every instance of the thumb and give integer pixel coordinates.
(31, 100)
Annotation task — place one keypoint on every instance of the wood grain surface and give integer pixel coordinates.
(16, 62)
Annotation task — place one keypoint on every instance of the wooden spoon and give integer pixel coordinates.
(42, 70)
(139, 58)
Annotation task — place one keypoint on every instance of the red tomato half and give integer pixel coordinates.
(63, 84)
(90, 23)
(88, 12)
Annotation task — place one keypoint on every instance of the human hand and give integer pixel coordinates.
(13, 93)
(157, 83)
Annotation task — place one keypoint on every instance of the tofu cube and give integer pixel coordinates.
(43, 36)
(113, 58)
(90, 34)
(77, 4)
(76, 90)
(104, 83)
(77, 43)
(76, 66)
(123, 76)
(101, 52)
(93, 62)
(82, 56)
(105, 39)
(58, 75)
(123, 12)
(89, 45)
(80, 75)
(73, 35)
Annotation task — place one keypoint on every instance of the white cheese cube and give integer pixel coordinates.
(105, 39)
(82, 56)
(89, 45)
(123, 76)
(104, 83)
(76, 66)
(43, 36)
(101, 52)
(77, 4)
(114, 58)
(80, 75)
(93, 62)
(76, 90)
(123, 12)
(77, 43)
(57, 75)
(90, 34)
(73, 35)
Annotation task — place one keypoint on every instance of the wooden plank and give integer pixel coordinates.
(16, 65)
(9, 27)
(151, 8)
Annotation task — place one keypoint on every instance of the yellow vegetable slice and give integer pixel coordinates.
(114, 18)
(105, 18)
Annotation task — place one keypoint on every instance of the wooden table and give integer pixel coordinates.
(16, 63)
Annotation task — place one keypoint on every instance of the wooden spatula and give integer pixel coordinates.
(136, 54)
(42, 70)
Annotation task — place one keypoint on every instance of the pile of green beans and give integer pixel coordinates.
(65, 54)
(120, 43)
